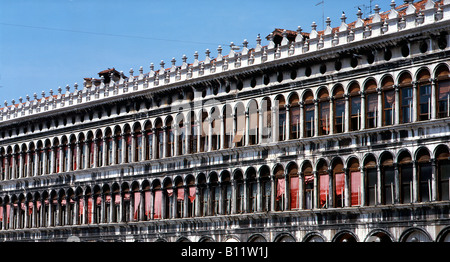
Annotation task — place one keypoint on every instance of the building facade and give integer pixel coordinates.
(338, 135)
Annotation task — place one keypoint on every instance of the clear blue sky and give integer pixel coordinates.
(46, 44)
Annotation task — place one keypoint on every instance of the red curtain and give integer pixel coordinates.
(1, 213)
(81, 205)
(294, 182)
(157, 206)
(90, 210)
(280, 187)
(324, 189)
(147, 199)
(180, 193)
(339, 183)
(137, 201)
(192, 191)
(355, 187)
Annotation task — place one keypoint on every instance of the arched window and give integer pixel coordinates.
(252, 190)
(226, 194)
(239, 188)
(119, 146)
(203, 195)
(157, 200)
(266, 107)
(406, 98)
(159, 139)
(443, 172)
(405, 166)
(239, 137)
(215, 128)
(388, 102)
(280, 103)
(109, 148)
(228, 125)
(387, 180)
(65, 156)
(308, 113)
(443, 92)
(90, 144)
(214, 196)
(127, 140)
(136, 199)
(324, 112)
(324, 186)
(371, 104)
(2, 164)
(424, 95)
(280, 188)
(339, 109)
(147, 201)
(180, 198)
(193, 133)
(294, 111)
(370, 173)
(137, 136)
(204, 132)
(355, 182)
(170, 138)
(266, 188)
(355, 107)
(181, 133)
(308, 186)
(424, 175)
(99, 152)
(294, 192)
(253, 124)
(192, 191)
(47, 157)
(148, 137)
(32, 162)
(339, 183)
(168, 199)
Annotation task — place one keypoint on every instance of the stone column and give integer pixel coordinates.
(415, 187)
(21, 164)
(397, 105)
(302, 120)
(133, 148)
(316, 117)
(287, 134)
(275, 124)
(433, 98)
(363, 111)
(380, 108)
(347, 114)
(415, 97)
(331, 117)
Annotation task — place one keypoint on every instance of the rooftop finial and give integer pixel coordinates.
(392, 4)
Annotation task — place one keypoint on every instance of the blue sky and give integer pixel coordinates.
(49, 44)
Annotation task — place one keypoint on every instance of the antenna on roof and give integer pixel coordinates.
(323, 12)
(365, 7)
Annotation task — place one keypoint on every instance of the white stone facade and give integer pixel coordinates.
(340, 135)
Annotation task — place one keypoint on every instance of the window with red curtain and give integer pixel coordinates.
(355, 188)
(324, 190)
(137, 201)
(90, 210)
(339, 189)
(192, 191)
(157, 204)
(147, 199)
(280, 188)
(294, 182)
